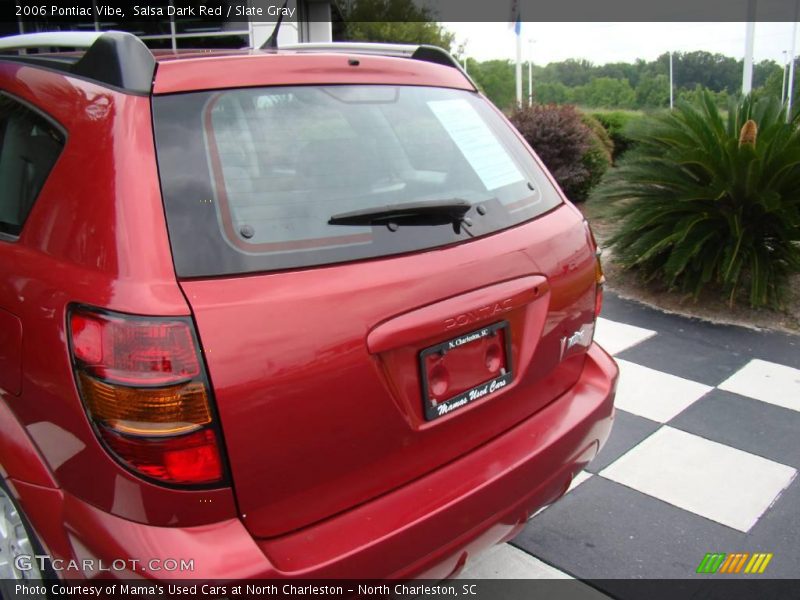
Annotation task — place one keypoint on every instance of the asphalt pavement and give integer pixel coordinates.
(702, 460)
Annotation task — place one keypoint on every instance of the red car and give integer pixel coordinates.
(316, 312)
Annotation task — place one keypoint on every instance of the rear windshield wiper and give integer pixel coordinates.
(438, 212)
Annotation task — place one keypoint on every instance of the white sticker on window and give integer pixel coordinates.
(477, 143)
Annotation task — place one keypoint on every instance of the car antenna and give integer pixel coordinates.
(272, 40)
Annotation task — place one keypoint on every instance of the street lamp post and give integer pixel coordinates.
(671, 86)
(783, 82)
(790, 87)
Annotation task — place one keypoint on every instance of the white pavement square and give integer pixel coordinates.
(578, 479)
(615, 337)
(715, 481)
(506, 562)
(655, 395)
(768, 382)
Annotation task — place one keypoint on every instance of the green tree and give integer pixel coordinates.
(772, 85)
(552, 93)
(652, 92)
(773, 81)
(765, 69)
(570, 72)
(606, 92)
(621, 70)
(497, 80)
(715, 72)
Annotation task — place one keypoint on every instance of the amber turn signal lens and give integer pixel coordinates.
(147, 411)
(600, 279)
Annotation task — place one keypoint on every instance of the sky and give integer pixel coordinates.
(619, 42)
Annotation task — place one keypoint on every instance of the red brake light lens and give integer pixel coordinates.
(144, 388)
(186, 459)
(137, 351)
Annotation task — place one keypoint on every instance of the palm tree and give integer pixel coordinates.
(705, 199)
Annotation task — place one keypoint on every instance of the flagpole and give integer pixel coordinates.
(519, 66)
(530, 73)
(750, 29)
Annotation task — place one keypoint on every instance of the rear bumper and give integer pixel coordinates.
(427, 528)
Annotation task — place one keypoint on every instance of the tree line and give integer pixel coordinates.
(623, 85)
(638, 85)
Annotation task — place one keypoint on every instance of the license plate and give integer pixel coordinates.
(464, 369)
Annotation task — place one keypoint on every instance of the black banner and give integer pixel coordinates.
(707, 588)
(232, 11)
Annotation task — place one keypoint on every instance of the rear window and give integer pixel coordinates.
(251, 177)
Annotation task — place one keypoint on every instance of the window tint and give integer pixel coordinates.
(29, 147)
(251, 177)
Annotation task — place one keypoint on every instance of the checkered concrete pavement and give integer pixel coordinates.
(703, 457)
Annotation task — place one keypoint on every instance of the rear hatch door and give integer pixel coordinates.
(348, 359)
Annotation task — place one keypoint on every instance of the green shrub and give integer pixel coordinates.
(616, 124)
(568, 146)
(699, 205)
(603, 140)
(597, 159)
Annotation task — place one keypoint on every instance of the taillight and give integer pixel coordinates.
(598, 270)
(600, 281)
(145, 391)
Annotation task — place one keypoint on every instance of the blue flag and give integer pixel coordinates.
(516, 17)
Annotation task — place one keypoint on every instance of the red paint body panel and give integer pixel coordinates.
(455, 313)
(20, 458)
(10, 353)
(334, 470)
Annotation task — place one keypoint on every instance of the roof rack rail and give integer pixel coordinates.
(422, 52)
(113, 58)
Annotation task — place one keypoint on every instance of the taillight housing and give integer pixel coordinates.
(599, 277)
(146, 393)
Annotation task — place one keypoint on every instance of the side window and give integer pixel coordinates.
(29, 147)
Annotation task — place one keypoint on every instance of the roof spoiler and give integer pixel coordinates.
(113, 58)
(423, 52)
